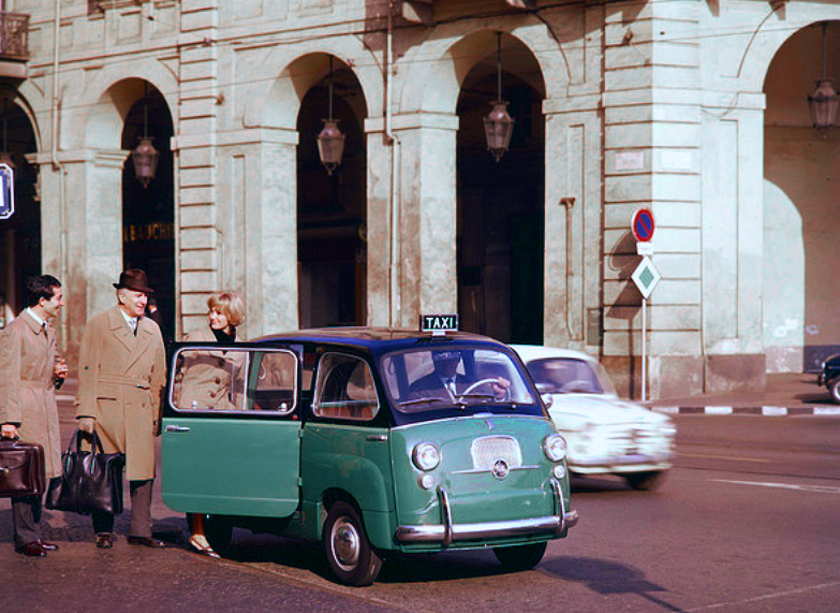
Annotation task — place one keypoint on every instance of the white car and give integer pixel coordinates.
(605, 435)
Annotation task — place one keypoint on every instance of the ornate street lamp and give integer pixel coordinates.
(330, 140)
(498, 125)
(824, 101)
(145, 156)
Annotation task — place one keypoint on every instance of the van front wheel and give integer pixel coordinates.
(351, 558)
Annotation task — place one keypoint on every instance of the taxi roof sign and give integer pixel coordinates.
(439, 324)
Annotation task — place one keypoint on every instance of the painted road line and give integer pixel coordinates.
(820, 489)
(722, 457)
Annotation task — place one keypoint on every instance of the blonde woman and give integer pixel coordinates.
(208, 379)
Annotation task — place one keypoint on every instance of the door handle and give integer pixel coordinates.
(177, 429)
(380, 438)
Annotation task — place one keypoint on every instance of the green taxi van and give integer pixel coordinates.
(369, 441)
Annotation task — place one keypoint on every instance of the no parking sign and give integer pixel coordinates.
(643, 225)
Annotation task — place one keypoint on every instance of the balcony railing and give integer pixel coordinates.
(14, 36)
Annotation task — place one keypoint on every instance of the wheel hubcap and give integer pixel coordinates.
(345, 540)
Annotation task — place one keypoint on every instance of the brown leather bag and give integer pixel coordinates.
(21, 469)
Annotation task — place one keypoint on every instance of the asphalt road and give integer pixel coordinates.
(746, 521)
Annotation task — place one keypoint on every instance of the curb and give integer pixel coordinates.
(768, 411)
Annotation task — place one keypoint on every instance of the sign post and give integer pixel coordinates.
(645, 276)
(7, 191)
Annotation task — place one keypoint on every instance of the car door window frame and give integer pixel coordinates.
(253, 358)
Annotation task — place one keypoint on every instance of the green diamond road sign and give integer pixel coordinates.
(646, 277)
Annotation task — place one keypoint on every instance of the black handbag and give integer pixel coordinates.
(91, 481)
(21, 468)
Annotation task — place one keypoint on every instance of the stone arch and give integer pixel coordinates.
(439, 67)
(103, 119)
(275, 103)
(20, 100)
(771, 34)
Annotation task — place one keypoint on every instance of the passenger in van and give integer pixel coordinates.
(209, 380)
(208, 376)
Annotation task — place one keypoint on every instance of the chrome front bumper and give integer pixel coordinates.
(449, 532)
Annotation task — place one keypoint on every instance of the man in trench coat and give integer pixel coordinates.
(29, 369)
(122, 370)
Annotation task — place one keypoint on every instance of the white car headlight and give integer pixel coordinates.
(554, 447)
(425, 456)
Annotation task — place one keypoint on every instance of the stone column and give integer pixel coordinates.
(428, 281)
(573, 213)
(82, 232)
(733, 241)
(256, 225)
(652, 136)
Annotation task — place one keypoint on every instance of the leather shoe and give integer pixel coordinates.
(104, 540)
(47, 546)
(146, 541)
(33, 549)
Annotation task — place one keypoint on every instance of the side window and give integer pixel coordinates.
(210, 380)
(271, 384)
(344, 389)
(206, 379)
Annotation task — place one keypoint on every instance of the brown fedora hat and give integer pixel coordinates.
(134, 279)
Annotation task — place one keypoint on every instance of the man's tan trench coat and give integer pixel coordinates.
(121, 377)
(27, 394)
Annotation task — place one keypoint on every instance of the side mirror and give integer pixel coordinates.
(548, 399)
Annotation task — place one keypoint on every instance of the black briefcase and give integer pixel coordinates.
(91, 481)
(21, 468)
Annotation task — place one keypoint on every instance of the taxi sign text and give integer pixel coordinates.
(438, 323)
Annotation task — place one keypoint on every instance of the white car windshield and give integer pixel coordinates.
(570, 376)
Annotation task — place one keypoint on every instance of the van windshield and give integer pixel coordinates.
(457, 378)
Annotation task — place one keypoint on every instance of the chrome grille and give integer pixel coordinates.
(488, 450)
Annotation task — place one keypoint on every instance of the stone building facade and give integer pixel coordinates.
(696, 109)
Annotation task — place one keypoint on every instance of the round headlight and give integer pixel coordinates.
(554, 447)
(425, 456)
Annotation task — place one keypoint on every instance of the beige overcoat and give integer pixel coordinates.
(121, 377)
(208, 376)
(27, 393)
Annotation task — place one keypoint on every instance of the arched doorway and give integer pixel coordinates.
(20, 233)
(801, 208)
(148, 211)
(500, 204)
(331, 208)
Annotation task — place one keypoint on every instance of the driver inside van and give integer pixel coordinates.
(448, 380)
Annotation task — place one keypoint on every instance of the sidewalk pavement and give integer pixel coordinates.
(784, 394)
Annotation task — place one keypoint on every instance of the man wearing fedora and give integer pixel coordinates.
(122, 371)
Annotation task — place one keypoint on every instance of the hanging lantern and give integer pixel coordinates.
(824, 101)
(145, 156)
(330, 145)
(330, 140)
(498, 125)
(145, 159)
(498, 128)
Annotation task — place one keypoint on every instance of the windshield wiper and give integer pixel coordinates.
(414, 401)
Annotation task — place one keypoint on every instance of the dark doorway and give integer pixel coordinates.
(149, 212)
(500, 206)
(20, 234)
(332, 236)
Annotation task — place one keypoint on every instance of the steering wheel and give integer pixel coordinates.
(488, 381)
